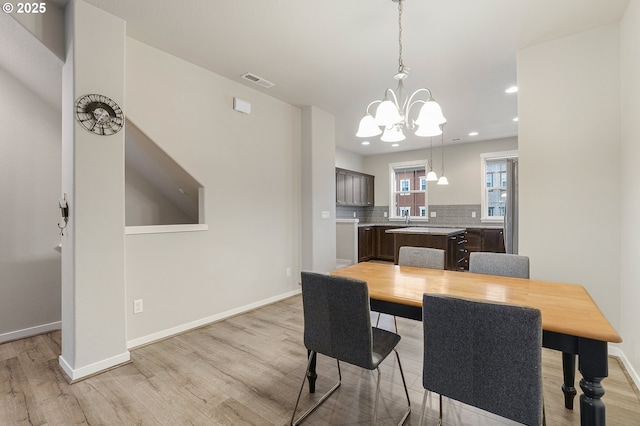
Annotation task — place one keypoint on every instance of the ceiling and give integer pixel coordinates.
(339, 55)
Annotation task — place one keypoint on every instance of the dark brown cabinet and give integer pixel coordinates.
(483, 239)
(384, 243)
(354, 188)
(453, 244)
(366, 243)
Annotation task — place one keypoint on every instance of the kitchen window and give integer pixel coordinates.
(408, 195)
(494, 184)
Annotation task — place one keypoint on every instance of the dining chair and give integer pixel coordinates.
(420, 257)
(484, 354)
(506, 265)
(337, 324)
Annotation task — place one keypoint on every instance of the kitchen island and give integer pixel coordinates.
(451, 240)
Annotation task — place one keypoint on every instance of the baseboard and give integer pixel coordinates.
(97, 367)
(207, 320)
(617, 352)
(31, 331)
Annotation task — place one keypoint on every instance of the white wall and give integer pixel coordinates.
(93, 287)
(249, 166)
(30, 176)
(630, 192)
(349, 160)
(318, 190)
(462, 168)
(569, 147)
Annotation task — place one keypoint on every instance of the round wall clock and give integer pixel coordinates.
(99, 114)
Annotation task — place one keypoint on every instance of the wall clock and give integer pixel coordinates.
(99, 114)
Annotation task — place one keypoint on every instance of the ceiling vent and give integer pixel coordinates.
(258, 80)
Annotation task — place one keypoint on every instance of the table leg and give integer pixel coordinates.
(569, 373)
(593, 365)
(311, 374)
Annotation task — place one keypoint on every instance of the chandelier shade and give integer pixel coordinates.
(393, 134)
(368, 127)
(394, 112)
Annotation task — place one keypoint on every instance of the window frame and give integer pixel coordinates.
(484, 190)
(392, 208)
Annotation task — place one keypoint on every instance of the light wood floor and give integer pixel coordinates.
(247, 370)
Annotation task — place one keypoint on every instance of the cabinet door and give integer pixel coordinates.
(493, 240)
(369, 190)
(384, 243)
(341, 191)
(365, 244)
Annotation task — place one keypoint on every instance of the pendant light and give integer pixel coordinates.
(392, 112)
(431, 176)
(443, 179)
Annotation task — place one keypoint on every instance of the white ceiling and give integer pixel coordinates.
(339, 55)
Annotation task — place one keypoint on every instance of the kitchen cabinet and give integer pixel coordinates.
(384, 243)
(366, 243)
(354, 188)
(483, 239)
(452, 241)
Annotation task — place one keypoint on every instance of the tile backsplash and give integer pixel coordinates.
(446, 214)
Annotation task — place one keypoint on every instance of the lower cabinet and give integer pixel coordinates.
(366, 243)
(483, 239)
(384, 243)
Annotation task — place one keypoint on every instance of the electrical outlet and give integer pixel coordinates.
(288, 272)
(473, 214)
(137, 306)
(433, 214)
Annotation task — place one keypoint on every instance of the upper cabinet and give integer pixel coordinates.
(354, 188)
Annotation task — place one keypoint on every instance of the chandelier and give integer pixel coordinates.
(392, 113)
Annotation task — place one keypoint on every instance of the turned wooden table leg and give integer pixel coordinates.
(593, 365)
(569, 374)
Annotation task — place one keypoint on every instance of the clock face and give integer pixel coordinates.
(99, 114)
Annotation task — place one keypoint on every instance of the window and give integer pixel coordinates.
(408, 195)
(494, 184)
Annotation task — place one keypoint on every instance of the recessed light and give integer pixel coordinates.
(512, 89)
(395, 145)
(473, 133)
(515, 119)
(365, 142)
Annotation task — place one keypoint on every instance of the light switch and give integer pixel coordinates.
(325, 215)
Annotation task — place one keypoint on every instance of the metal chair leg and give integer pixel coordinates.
(424, 406)
(406, 392)
(317, 404)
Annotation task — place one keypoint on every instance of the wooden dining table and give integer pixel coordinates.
(571, 321)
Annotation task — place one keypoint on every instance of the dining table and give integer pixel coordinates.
(572, 322)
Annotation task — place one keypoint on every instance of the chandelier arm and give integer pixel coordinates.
(411, 103)
(395, 99)
(369, 106)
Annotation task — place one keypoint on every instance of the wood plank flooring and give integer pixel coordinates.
(247, 370)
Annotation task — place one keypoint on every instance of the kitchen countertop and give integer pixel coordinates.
(425, 230)
(426, 225)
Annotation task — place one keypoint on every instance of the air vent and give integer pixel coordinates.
(258, 80)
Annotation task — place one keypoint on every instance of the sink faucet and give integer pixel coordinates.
(407, 219)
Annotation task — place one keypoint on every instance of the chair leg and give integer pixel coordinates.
(440, 419)
(323, 399)
(406, 392)
(424, 406)
(395, 322)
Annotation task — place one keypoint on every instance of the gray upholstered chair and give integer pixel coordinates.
(337, 324)
(484, 354)
(421, 257)
(506, 265)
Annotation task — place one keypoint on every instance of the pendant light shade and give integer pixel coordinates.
(443, 180)
(430, 114)
(392, 134)
(387, 114)
(368, 127)
(429, 130)
(432, 176)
